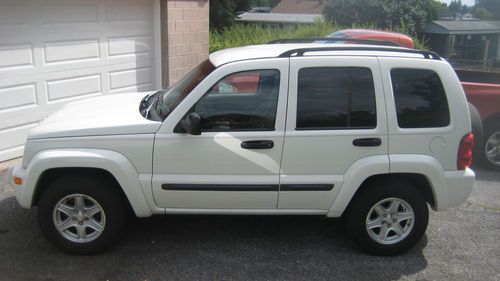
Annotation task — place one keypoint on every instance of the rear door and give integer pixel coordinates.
(336, 116)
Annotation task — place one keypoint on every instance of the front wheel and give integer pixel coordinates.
(81, 215)
(388, 218)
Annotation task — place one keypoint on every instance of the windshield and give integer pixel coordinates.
(170, 99)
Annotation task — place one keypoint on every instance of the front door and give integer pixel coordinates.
(235, 162)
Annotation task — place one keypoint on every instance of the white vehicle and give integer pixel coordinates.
(370, 133)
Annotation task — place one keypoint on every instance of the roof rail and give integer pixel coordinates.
(300, 51)
(332, 40)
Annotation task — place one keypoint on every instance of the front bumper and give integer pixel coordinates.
(23, 196)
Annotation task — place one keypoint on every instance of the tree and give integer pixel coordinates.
(483, 14)
(454, 7)
(487, 9)
(221, 13)
(435, 10)
(383, 13)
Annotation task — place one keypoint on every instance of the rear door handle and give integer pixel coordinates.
(257, 144)
(367, 142)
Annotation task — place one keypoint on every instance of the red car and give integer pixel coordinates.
(394, 37)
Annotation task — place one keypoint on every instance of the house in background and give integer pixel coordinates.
(56, 51)
(299, 7)
(287, 12)
(466, 43)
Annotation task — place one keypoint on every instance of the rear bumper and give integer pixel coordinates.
(458, 186)
(23, 196)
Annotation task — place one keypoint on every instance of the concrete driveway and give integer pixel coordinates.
(461, 244)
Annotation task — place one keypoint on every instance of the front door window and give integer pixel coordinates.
(243, 101)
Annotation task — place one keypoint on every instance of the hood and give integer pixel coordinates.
(105, 115)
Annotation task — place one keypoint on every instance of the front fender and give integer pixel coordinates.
(115, 163)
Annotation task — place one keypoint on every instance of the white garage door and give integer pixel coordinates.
(54, 52)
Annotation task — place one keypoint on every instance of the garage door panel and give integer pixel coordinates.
(67, 51)
(20, 55)
(18, 97)
(129, 77)
(10, 135)
(123, 10)
(133, 89)
(129, 45)
(75, 86)
(69, 12)
(17, 117)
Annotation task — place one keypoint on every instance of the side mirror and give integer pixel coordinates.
(192, 124)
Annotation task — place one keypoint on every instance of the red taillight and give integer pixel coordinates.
(464, 159)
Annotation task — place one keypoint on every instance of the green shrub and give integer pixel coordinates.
(251, 34)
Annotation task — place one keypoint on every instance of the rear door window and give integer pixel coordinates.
(332, 98)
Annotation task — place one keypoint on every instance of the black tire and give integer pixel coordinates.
(356, 217)
(96, 188)
(491, 130)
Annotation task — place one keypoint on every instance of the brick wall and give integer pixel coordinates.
(184, 37)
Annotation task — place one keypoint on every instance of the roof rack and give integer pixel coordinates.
(300, 51)
(333, 40)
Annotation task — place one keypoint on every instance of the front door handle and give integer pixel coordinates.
(257, 144)
(367, 142)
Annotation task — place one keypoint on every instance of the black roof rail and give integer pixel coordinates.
(300, 51)
(332, 40)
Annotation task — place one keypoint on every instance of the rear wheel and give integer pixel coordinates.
(81, 215)
(388, 218)
(491, 149)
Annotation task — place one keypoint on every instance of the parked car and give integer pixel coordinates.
(395, 37)
(372, 134)
(486, 99)
(482, 90)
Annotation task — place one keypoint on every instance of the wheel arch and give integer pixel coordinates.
(51, 174)
(420, 182)
(110, 165)
(425, 172)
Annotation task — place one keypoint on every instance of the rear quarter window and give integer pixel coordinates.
(420, 98)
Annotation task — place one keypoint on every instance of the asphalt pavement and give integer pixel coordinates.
(460, 244)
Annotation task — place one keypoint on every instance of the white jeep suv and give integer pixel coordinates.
(370, 133)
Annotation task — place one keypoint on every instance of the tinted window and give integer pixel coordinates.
(420, 98)
(335, 98)
(241, 101)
